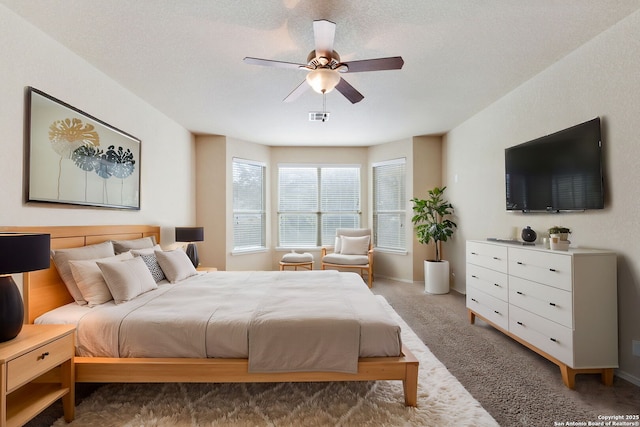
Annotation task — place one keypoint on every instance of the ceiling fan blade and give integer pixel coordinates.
(324, 33)
(295, 94)
(349, 91)
(272, 63)
(391, 63)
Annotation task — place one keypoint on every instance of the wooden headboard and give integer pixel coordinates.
(44, 290)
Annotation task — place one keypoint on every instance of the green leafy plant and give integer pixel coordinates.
(430, 218)
(559, 230)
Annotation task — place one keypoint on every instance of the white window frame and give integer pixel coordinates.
(399, 211)
(261, 211)
(318, 211)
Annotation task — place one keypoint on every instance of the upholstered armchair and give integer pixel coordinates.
(353, 249)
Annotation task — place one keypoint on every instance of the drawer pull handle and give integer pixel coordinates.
(495, 284)
(43, 355)
(552, 269)
(473, 253)
(553, 339)
(519, 293)
(519, 263)
(496, 258)
(496, 311)
(474, 300)
(520, 323)
(552, 304)
(474, 276)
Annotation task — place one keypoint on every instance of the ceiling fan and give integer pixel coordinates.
(324, 66)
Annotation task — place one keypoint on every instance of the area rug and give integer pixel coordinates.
(442, 401)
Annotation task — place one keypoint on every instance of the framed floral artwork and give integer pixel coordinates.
(74, 158)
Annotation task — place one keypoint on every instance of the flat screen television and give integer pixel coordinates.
(557, 172)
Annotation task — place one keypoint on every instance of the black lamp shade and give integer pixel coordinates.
(19, 252)
(189, 234)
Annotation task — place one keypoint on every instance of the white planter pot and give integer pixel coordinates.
(436, 277)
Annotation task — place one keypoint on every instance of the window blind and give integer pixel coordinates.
(313, 201)
(249, 214)
(389, 204)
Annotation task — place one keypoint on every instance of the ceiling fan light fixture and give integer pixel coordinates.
(323, 80)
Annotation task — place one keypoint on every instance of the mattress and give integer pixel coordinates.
(282, 321)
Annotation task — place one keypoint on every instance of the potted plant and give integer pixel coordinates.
(431, 224)
(561, 232)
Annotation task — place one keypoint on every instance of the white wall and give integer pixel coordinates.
(31, 58)
(598, 79)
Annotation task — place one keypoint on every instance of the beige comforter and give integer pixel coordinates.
(281, 321)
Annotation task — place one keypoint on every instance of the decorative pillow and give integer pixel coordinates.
(61, 258)
(152, 264)
(146, 251)
(338, 245)
(90, 281)
(127, 279)
(355, 245)
(175, 264)
(120, 246)
(296, 257)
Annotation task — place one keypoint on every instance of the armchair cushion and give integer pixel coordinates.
(341, 259)
(354, 245)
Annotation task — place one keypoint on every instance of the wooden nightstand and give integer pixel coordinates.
(29, 378)
(206, 269)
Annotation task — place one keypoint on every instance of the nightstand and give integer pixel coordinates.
(206, 269)
(30, 380)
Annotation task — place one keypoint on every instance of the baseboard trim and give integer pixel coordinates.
(628, 377)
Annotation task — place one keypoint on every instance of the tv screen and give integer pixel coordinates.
(557, 172)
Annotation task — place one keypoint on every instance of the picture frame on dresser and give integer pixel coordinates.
(74, 158)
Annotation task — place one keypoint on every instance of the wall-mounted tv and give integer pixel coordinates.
(557, 172)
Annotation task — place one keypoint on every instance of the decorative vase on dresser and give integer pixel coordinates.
(562, 305)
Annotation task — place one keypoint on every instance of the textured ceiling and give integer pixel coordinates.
(185, 58)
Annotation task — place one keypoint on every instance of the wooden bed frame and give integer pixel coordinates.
(44, 290)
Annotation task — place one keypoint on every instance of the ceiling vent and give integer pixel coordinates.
(318, 116)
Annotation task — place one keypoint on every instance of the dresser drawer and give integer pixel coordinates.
(488, 281)
(546, 301)
(491, 308)
(549, 268)
(487, 255)
(548, 336)
(30, 365)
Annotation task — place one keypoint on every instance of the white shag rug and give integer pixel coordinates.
(442, 401)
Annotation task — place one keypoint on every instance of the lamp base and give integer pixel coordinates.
(192, 253)
(11, 309)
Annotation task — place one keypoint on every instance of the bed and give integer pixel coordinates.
(44, 291)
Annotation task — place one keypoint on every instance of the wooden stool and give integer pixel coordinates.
(295, 265)
(295, 260)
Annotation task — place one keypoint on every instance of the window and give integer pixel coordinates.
(389, 205)
(249, 215)
(314, 202)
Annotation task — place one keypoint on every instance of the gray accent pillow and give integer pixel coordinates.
(61, 258)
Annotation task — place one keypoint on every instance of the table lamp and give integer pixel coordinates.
(19, 253)
(191, 235)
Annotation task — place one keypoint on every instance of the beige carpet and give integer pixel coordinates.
(442, 402)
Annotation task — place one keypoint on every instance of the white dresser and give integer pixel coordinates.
(562, 305)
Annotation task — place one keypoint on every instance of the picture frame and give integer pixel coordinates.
(74, 158)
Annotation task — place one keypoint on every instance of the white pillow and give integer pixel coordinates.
(355, 245)
(175, 264)
(61, 258)
(338, 246)
(146, 251)
(120, 246)
(89, 278)
(127, 279)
